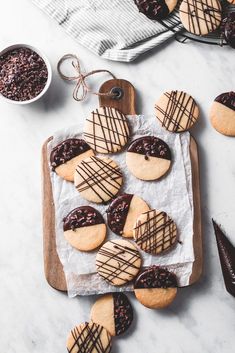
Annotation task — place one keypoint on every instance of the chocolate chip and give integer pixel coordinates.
(23, 74)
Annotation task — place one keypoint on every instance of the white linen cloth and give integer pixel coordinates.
(112, 29)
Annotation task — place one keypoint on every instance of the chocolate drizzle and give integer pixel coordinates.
(227, 99)
(227, 258)
(156, 277)
(179, 106)
(89, 339)
(150, 146)
(117, 213)
(67, 150)
(96, 173)
(157, 234)
(82, 216)
(153, 9)
(123, 313)
(117, 261)
(202, 13)
(110, 130)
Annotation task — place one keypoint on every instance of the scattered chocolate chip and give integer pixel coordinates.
(23, 74)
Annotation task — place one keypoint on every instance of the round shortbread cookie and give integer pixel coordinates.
(229, 28)
(156, 9)
(148, 158)
(118, 262)
(155, 232)
(114, 312)
(98, 179)
(65, 157)
(177, 111)
(200, 17)
(123, 212)
(155, 287)
(106, 130)
(222, 113)
(84, 228)
(89, 337)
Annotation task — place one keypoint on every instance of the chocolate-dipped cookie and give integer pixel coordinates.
(106, 130)
(65, 157)
(84, 228)
(118, 262)
(114, 312)
(123, 212)
(89, 337)
(227, 258)
(98, 179)
(222, 113)
(148, 158)
(155, 232)
(156, 9)
(229, 28)
(177, 111)
(200, 17)
(155, 287)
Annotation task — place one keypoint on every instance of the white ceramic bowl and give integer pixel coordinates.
(48, 65)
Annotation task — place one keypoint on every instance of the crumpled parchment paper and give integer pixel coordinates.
(172, 194)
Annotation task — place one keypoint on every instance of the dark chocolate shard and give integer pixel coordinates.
(123, 313)
(117, 213)
(227, 99)
(227, 258)
(82, 216)
(156, 277)
(153, 9)
(150, 146)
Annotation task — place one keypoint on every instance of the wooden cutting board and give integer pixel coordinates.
(52, 266)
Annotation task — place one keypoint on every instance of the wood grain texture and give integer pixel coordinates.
(127, 104)
(52, 265)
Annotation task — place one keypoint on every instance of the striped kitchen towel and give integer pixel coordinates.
(112, 29)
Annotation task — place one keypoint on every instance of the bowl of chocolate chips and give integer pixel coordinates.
(25, 74)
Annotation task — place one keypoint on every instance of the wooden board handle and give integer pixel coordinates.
(126, 96)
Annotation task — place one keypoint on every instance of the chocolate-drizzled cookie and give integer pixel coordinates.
(106, 130)
(222, 113)
(200, 17)
(67, 155)
(98, 179)
(89, 338)
(156, 9)
(114, 312)
(118, 262)
(177, 111)
(84, 228)
(229, 28)
(155, 232)
(227, 258)
(148, 158)
(155, 287)
(122, 214)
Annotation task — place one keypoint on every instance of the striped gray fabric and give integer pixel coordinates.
(113, 29)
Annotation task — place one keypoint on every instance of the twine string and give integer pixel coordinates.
(81, 89)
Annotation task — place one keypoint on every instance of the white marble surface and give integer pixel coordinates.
(34, 317)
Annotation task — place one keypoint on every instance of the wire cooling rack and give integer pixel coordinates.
(174, 24)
